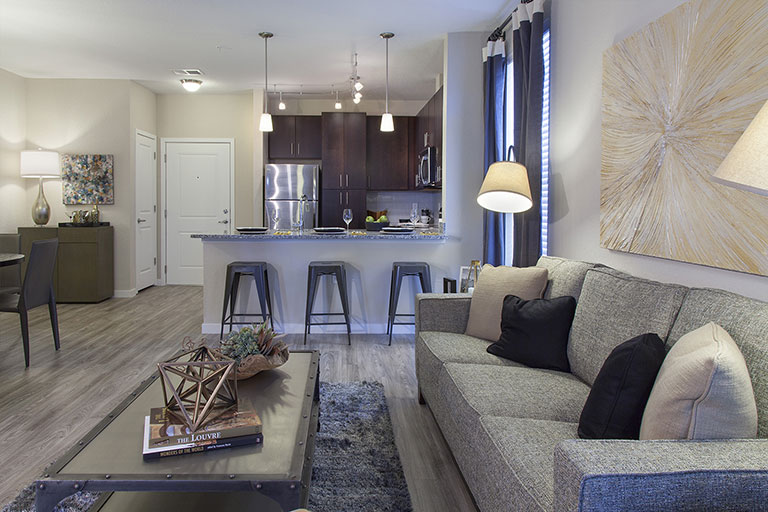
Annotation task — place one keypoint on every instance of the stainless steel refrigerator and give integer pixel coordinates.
(284, 187)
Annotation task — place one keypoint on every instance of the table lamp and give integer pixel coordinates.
(40, 164)
(746, 166)
(505, 188)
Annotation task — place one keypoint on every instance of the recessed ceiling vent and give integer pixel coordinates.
(187, 72)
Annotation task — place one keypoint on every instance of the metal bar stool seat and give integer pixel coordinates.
(402, 269)
(315, 270)
(236, 270)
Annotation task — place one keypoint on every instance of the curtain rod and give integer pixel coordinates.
(499, 32)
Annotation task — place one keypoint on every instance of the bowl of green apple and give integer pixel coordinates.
(372, 224)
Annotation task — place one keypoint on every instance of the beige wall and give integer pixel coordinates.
(216, 116)
(581, 31)
(13, 116)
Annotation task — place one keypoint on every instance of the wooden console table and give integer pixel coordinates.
(85, 262)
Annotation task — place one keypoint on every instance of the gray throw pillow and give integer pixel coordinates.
(492, 286)
(702, 391)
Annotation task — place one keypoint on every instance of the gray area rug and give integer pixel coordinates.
(356, 464)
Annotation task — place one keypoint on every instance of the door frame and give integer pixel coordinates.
(164, 141)
(143, 133)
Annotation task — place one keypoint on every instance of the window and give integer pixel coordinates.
(510, 116)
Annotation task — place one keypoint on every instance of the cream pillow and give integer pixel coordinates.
(492, 286)
(702, 391)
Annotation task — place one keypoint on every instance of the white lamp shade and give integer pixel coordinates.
(40, 164)
(337, 106)
(746, 166)
(387, 123)
(265, 123)
(505, 188)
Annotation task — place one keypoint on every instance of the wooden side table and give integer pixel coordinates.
(85, 262)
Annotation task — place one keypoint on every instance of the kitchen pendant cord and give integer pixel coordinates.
(266, 81)
(386, 73)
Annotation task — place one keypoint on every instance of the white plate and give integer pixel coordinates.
(252, 229)
(330, 231)
(397, 230)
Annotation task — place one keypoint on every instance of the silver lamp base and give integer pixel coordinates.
(41, 210)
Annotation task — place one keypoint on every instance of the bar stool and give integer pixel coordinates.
(236, 270)
(402, 269)
(315, 270)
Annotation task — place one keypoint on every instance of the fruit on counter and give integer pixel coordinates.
(369, 219)
(383, 218)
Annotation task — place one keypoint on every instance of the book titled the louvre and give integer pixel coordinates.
(166, 430)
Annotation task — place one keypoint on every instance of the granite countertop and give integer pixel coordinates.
(354, 234)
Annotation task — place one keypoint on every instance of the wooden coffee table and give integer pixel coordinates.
(272, 476)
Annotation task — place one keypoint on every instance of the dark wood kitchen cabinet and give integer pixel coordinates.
(388, 161)
(295, 138)
(334, 201)
(343, 150)
(429, 131)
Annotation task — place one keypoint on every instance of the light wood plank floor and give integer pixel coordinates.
(108, 348)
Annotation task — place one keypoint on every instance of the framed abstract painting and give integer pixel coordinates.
(87, 179)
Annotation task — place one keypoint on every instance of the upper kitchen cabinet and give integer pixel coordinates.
(343, 150)
(388, 161)
(296, 138)
(429, 131)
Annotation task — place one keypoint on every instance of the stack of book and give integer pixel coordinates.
(166, 436)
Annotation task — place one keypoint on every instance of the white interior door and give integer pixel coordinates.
(198, 199)
(146, 210)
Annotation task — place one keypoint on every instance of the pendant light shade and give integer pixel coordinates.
(265, 123)
(387, 124)
(337, 106)
(281, 105)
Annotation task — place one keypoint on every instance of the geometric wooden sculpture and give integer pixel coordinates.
(196, 387)
(677, 95)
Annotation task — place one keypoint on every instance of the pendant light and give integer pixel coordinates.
(281, 105)
(337, 106)
(265, 123)
(387, 123)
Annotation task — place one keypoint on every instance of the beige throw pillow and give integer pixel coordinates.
(492, 286)
(702, 391)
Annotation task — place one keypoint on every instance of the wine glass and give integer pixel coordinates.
(275, 218)
(347, 216)
(414, 213)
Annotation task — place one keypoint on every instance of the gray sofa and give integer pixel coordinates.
(513, 429)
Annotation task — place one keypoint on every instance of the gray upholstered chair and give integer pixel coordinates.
(36, 290)
(10, 277)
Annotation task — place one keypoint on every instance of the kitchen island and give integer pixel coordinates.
(368, 256)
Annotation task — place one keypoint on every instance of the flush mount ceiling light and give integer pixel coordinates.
(265, 123)
(387, 123)
(191, 84)
(337, 106)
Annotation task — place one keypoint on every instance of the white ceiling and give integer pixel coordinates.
(314, 40)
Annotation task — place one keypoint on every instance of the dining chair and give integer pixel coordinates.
(36, 290)
(10, 277)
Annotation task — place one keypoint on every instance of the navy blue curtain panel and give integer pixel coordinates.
(495, 77)
(528, 81)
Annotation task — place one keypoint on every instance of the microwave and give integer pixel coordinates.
(429, 172)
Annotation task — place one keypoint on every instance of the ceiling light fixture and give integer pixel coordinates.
(358, 96)
(191, 84)
(387, 123)
(265, 123)
(356, 101)
(281, 105)
(358, 85)
(337, 106)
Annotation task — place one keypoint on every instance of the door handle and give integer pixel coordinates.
(340, 201)
(340, 185)
(225, 221)
(298, 148)
(291, 147)
(140, 220)
(347, 175)
(347, 203)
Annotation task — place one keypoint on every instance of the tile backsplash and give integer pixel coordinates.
(398, 203)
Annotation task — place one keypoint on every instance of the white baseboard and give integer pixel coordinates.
(125, 294)
(215, 328)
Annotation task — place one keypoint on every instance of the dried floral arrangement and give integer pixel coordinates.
(254, 349)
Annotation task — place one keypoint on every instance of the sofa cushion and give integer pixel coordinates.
(703, 391)
(616, 402)
(492, 286)
(513, 391)
(535, 332)
(566, 277)
(746, 321)
(614, 307)
(526, 447)
(435, 348)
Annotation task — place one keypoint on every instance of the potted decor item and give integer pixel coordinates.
(254, 349)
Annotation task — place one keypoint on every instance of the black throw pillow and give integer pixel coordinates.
(535, 332)
(615, 405)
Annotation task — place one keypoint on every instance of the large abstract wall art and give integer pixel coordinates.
(676, 97)
(87, 179)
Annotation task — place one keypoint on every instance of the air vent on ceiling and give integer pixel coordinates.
(187, 72)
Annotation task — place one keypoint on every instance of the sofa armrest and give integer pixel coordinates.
(615, 475)
(445, 312)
